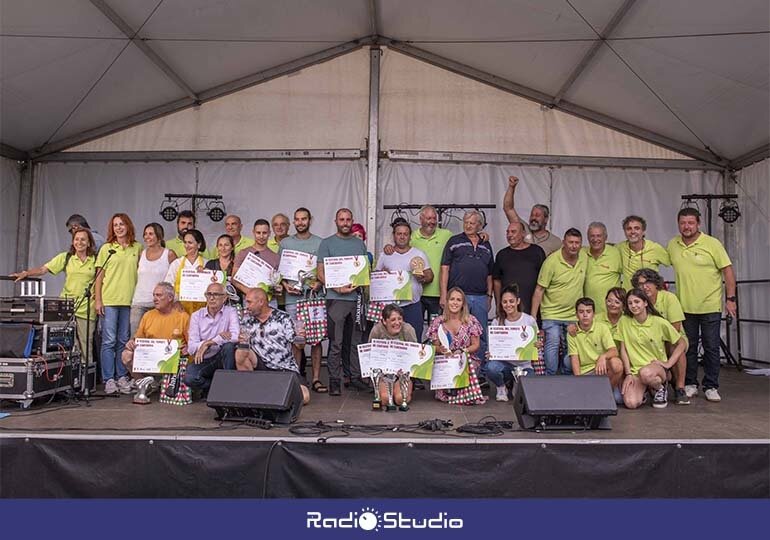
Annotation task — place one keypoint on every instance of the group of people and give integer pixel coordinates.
(603, 309)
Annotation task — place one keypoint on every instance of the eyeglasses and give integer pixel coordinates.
(214, 294)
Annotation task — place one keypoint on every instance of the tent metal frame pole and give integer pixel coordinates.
(10, 152)
(23, 233)
(550, 161)
(142, 45)
(758, 154)
(207, 95)
(547, 100)
(373, 146)
(207, 155)
(589, 55)
(373, 25)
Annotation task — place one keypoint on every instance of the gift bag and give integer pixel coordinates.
(173, 390)
(539, 364)
(374, 311)
(312, 312)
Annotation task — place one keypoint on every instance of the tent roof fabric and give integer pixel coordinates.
(695, 73)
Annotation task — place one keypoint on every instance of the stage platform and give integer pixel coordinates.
(113, 448)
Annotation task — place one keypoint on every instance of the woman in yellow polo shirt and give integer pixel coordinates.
(194, 245)
(643, 335)
(116, 277)
(78, 265)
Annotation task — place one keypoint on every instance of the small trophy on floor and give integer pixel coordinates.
(403, 384)
(376, 376)
(390, 380)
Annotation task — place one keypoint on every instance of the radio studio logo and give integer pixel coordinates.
(371, 519)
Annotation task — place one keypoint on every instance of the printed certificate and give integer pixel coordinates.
(193, 283)
(390, 286)
(512, 343)
(294, 262)
(255, 272)
(344, 271)
(449, 372)
(156, 356)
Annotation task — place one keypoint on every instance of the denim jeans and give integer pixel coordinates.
(499, 373)
(706, 326)
(115, 333)
(477, 304)
(556, 335)
(430, 306)
(413, 315)
(200, 375)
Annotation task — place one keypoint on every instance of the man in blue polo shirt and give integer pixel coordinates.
(467, 263)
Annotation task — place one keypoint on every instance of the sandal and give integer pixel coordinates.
(319, 387)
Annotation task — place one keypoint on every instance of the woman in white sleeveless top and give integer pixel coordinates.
(153, 265)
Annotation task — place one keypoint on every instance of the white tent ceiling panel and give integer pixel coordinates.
(458, 20)
(206, 65)
(721, 95)
(73, 18)
(323, 106)
(543, 67)
(427, 108)
(43, 80)
(306, 20)
(675, 17)
(608, 86)
(133, 84)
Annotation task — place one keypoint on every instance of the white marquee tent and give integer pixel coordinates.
(602, 107)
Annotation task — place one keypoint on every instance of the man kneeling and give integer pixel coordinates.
(213, 333)
(266, 339)
(163, 322)
(592, 349)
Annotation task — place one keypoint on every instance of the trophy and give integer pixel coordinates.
(417, 265)
(389, 382)
(403, 384)
(376, 376)
(144, 387)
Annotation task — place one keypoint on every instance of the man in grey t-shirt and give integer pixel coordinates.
(538, 234)
(341, 303)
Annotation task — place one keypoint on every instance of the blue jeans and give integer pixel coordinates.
(706, 327)
(200, 375)
(116, 330)
(556, 335)
(500, 373)
(477, 304)
(413, 315)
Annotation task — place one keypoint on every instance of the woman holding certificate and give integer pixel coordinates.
(393, 327)
(194, 245)
(455, 333)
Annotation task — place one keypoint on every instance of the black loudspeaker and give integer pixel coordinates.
(245, 396)
(564, 402)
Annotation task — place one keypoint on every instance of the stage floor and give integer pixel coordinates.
(743, 415)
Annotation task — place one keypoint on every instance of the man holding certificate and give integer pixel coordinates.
(213, 333)
(408, 262)
(255, 274)
(343, 300)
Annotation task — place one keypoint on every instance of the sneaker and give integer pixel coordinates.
(691, 390)
(110, 387)
(681, 397)
(334, 387)
(124, 385)
(660, 401)
(502, 393)
(713, 395)
(617, 395)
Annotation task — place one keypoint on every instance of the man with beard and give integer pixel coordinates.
(309, 243)
(636, 252)
(184, 222)
(341, 303)
(538, 220)
(559, 287)
(517, 263)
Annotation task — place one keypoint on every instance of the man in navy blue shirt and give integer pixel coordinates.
(467, 263)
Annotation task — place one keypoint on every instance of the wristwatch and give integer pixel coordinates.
(731, 298)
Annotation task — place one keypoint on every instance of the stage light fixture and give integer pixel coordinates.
(216, 211)
(169, 210)
(729, 211)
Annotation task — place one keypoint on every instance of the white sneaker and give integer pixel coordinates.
(502, 393)
(713, 395)
(691, 390)
(110, 387)
(124, 385)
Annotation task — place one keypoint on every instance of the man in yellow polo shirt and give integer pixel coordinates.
(559, 286)
(280, 225)
(430, 239)
(604, 266)
(638, 252)
(184, 222)
(592, 349)
(700, 263)
(233, 228)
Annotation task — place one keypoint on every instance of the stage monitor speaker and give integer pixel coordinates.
(245, 396)
(564, 402)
